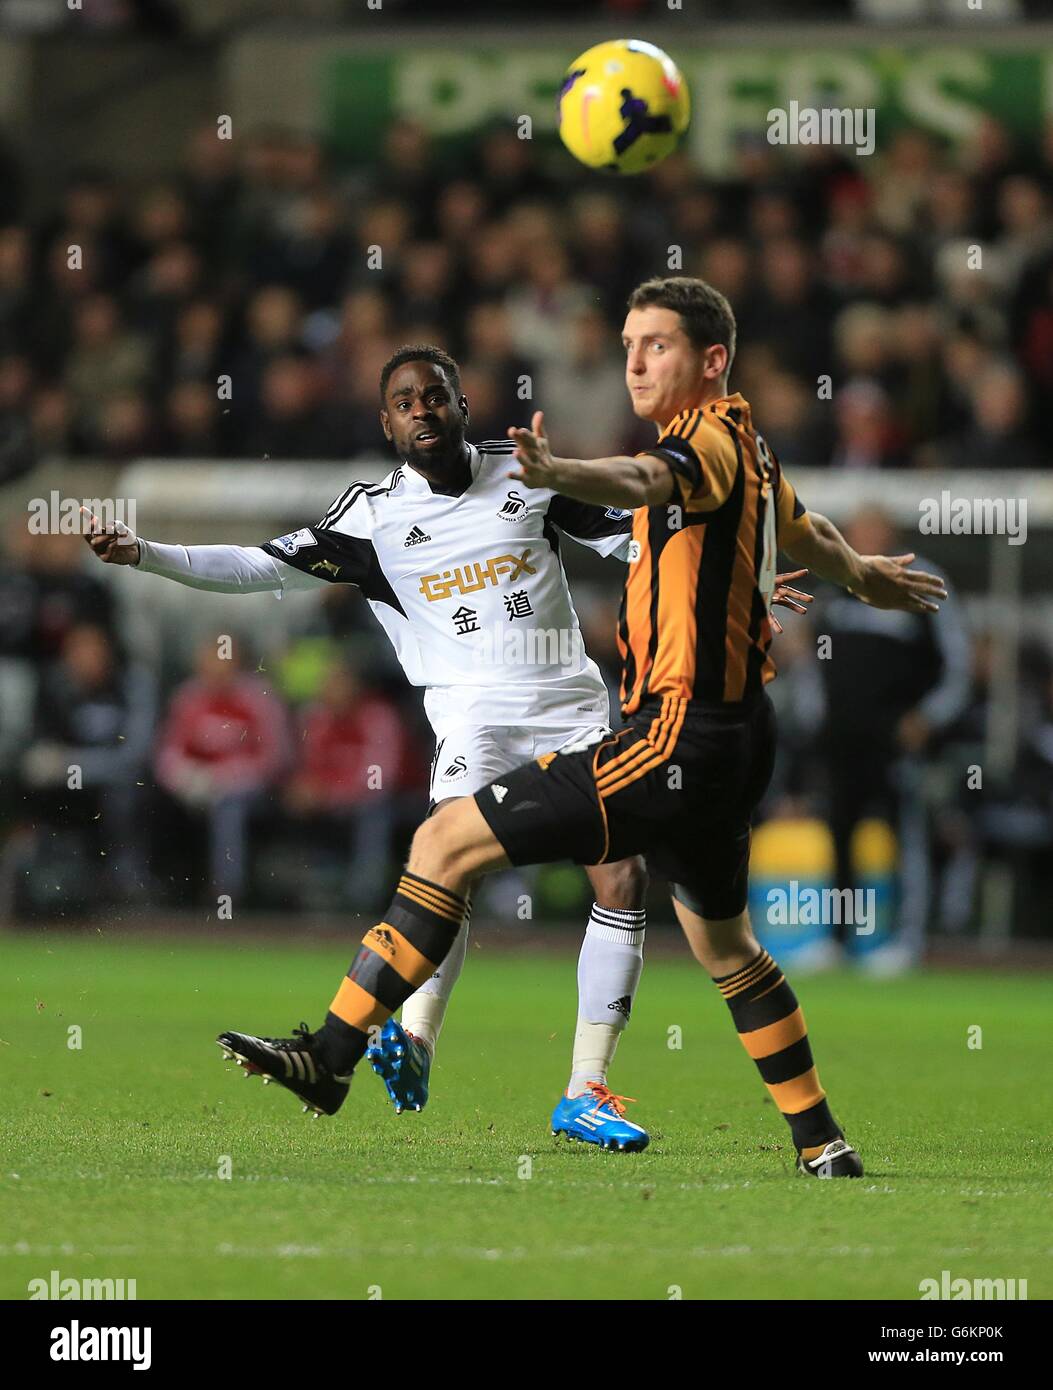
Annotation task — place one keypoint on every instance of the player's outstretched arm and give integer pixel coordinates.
(610, 482)
(234, 569)
(883, 581)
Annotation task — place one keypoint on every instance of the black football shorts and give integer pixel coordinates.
(678, 785)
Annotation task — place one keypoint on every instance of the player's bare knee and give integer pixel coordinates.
(433, 852)
(443, 852)
(620, 885)
(698, 949)
(720, 945)
(726, 945)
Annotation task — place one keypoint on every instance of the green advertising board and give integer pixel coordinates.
(457, 91)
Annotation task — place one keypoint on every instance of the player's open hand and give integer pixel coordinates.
(116, 544)
(889, 583)
(796, 599)
(532, 454)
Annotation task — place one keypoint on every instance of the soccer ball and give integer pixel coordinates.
(623, 105)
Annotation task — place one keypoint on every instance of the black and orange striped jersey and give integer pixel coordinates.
(694, 619)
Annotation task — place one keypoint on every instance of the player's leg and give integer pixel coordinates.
(542, 812)
(424, 1012)
(396, 956)
(402, 1052)
(771, 1027)
(427, 914)
(707, 864)
(609, 967)
(467, 757)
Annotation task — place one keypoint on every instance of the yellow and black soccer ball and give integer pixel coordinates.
(623, 106)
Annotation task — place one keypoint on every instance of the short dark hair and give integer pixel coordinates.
(707, 315)
(420, 352)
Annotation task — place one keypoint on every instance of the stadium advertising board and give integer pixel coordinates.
(456, 93)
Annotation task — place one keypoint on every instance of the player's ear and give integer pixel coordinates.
(462, 406)
(385, 426)
(716, 361)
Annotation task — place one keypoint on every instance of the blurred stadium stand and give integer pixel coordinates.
(247, 257)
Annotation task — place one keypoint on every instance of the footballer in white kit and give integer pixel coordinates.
(462, 568)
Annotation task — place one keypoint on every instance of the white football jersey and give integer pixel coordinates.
(470, 589)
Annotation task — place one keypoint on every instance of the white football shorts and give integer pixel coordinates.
(469, 756)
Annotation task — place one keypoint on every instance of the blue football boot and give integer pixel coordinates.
(598, 1117)
(403, 1063)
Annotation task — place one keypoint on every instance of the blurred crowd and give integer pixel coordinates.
(242, 307)
(176, 18)
(282, 775)
(250, 771)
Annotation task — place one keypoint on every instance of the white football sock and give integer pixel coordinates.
(609, 969)
(425, 1009)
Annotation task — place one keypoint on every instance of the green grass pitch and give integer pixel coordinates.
(110, 1155)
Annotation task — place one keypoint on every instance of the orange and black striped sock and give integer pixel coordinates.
(772, 1029)
(395, 958)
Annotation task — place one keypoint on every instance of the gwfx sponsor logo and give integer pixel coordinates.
(470, 578)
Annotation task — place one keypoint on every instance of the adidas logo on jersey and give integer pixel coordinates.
(416, 537)
(499, 792)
